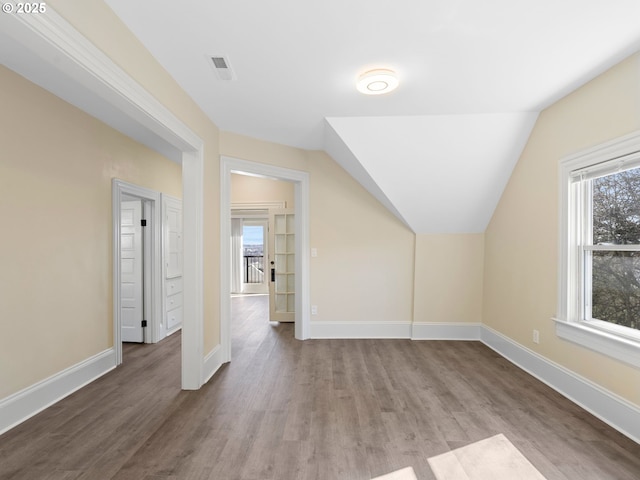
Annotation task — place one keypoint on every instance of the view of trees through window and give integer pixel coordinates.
(616, 273)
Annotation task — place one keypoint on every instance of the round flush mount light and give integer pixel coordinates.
(377, 82)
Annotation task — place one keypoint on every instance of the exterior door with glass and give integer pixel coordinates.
(254, 245)
(282, 265)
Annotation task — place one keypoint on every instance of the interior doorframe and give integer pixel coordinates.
(85, 76)
(229, 165)
(153, 292)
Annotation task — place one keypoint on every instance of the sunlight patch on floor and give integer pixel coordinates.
(494, 458)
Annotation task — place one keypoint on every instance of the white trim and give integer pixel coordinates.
(345, 330)
(615, 346)
(607, 406)
(229, 165)
(250, 214)
(445, 331)
(398, 330)
(212, 362)
(597, 154)
(258, 205)
(118, 189)
(568, 324)
(176, 203)
(615, 148)
(51, 36)
(193, 270)
(26, 403)
(111, 86)
(175, 329)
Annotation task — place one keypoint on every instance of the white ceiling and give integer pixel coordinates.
(438, 151)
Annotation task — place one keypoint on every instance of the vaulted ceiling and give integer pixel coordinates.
(437, 151)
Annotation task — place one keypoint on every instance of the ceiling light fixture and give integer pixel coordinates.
(376, 82)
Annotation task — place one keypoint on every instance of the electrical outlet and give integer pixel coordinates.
(314, 309)
(536, 336)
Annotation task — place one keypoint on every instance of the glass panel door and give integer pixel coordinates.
(282, 266)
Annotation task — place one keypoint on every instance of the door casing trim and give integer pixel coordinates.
(118, 189)
(85, 76)
(229, 165)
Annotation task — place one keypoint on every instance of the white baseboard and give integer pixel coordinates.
(360, 330)
(445, 331)
(26, 403)
(173, 330)
(212, 362)
(608, 407)
(414, 331)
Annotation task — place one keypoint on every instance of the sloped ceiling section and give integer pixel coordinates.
(339, 151)
(440, 173)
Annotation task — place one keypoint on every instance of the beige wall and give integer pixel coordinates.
(96, 21)
(364, 268)
(248, 189)
(448, 278)
(521, 269)
(55, 188)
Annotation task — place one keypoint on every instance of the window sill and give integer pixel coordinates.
(623, 349)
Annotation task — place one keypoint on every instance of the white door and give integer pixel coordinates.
(131, 271)
(282, 272)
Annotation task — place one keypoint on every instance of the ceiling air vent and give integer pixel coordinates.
(222, 68)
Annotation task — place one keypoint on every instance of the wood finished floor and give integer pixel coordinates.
(318, 409)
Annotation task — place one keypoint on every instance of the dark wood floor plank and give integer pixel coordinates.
(319, 409)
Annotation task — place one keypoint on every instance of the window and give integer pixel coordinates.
(600, 249)
(607, 216)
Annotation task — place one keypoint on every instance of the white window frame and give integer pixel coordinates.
(615, 341)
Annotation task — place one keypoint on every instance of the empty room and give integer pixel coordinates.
(320, 240)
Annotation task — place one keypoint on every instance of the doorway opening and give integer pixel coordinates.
(137, 296)
(290, 247)
(263, 246)
(254, 250)
(263, 252)
(138, 114)
(249, 251)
